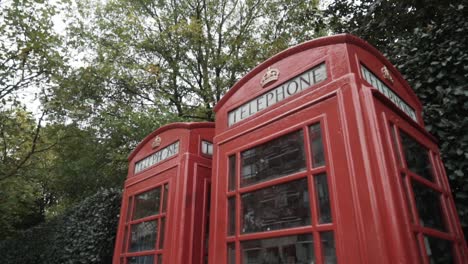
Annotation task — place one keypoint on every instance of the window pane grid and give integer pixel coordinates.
(273, 182)
(150, 220)
(429, 207)
(147, 203)
(420, 180)
(276, 207)
(425, 195)
(276, 158)
(236, 191)
(417, 157)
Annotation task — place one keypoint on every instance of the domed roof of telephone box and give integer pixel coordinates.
(317, 44)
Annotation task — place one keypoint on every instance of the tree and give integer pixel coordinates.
(20, 195)
(178, 56)
(29, 48)
(429, 48)
(381, 22)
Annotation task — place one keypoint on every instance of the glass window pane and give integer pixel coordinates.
(231, 216)
(280, 206)
(279, 250)
(417, 156)
(129, 208)
(207, 147)
(141, 260)
(328, 248)
(161, 233)
(147, 204)
(316, 145)
(429, 207)
(166, 194)
(439, 250)
(231, 253)
(232, 172)
(274, 159)
(323, 199)
(143, 236)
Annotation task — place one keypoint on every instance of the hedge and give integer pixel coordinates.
(84, 234)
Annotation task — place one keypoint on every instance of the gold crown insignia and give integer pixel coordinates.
(156, 142)
(386, 74)
(269, 76)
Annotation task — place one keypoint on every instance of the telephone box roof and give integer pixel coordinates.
(177, 125)
(315, 43)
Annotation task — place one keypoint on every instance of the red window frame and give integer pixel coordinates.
(439, 184)
(309, 173)
(158, 251)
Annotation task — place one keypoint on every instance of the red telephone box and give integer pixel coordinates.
(164, 213)
(321, 156)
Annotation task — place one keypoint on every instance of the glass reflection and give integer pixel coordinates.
(328, 247)
(417, 156)
(323, 199)
(276, 207)
(231, 215)
(231, 256)
(232, 172)
(147, 204)
(429, 207)
(276, 158)
(129, 208)
(316, 145)
(279, 250)
(141, 260)
(143, 236)
(439, 250)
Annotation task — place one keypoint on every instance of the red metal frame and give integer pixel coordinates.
(186, 175)
(372, 205)
(375, 218)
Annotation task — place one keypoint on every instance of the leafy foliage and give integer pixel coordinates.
(427, 41)
(434, 60)
(29, 48)
(84, 234)
(177, 57)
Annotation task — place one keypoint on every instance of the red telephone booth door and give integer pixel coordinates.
(287, 189)
(145, 222)
(418, 180)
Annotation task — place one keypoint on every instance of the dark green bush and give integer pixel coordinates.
(84, 234)
(434, 60)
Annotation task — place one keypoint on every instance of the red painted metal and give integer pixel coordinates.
(375, 216)
(363, 108)
(187, 174)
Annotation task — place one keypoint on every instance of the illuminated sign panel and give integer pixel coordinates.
(157, 157)
(291, 87)
(385, 90)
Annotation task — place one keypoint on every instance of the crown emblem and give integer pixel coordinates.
(386, 74)
(270, 75)
(156, 142)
